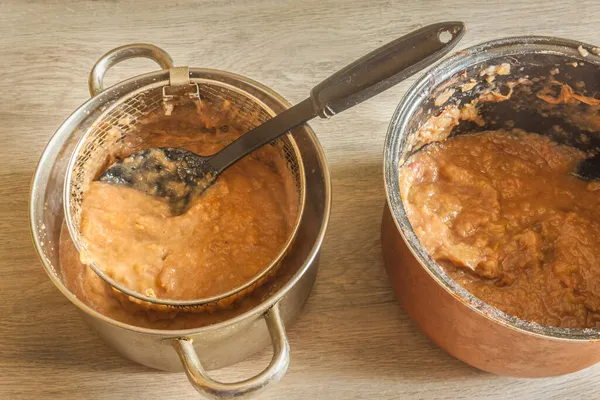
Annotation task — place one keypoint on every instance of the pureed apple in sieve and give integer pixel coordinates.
(105, 138)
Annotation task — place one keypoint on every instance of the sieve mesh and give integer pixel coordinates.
(104, 139)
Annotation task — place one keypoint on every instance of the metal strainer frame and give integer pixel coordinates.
(114, 121)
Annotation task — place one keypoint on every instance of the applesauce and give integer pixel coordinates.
(503, 215)
(230, 233)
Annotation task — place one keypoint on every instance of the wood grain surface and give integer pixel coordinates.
(353, 341)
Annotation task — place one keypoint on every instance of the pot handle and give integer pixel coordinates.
(137, 50)
(219, 390)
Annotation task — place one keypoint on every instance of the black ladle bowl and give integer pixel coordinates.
(167, 172)
(177, 174)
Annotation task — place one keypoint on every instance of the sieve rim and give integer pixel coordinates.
(187, 304)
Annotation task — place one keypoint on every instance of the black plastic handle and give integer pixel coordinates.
(359, 81)
(385, 67)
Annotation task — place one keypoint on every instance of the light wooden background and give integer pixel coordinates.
(353, 341)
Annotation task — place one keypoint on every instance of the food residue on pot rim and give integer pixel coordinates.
(440, 126)
(468, 86)
(443, 97)
(566, 96)
(583, 51)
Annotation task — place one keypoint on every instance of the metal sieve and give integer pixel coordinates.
(105, 138)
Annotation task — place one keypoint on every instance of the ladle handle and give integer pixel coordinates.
(385, 67)
(359, 81)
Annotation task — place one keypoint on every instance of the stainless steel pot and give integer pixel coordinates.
(235, 337)
(463, 325)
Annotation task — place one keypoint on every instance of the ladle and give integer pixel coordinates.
(178, 174)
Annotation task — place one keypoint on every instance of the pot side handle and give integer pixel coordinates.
(219, 390)
(136, 50)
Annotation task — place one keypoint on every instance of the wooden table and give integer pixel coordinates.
(353, 341)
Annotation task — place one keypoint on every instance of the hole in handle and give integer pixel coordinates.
(445, 36)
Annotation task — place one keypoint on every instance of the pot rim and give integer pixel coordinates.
(410, 103)
(253, 312)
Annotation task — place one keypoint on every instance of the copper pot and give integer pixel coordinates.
(460, 323)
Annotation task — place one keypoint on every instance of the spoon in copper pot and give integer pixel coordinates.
(589, 169)
(177, 174)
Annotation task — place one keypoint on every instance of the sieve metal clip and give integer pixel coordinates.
(180, 84)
